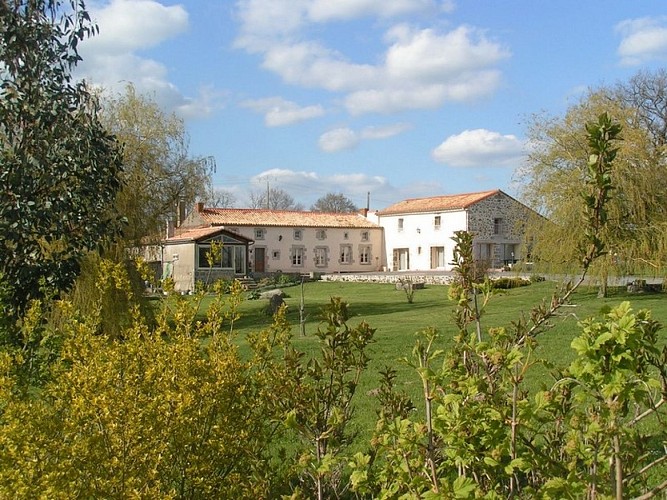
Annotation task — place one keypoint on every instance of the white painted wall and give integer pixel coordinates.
(419, 235)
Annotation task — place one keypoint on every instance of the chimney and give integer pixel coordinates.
(199, 207)
(363, 212)
(180, 212)
(170, 227)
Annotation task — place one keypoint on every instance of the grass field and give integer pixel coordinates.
(396, 322)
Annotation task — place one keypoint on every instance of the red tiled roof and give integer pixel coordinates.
(198, 233)
(284, 218)
(437, 203)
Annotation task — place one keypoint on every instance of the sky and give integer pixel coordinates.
(379, 100)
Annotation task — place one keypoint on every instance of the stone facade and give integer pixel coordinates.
(497, 223)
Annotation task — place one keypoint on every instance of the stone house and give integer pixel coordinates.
(418, 231)
(260, 242)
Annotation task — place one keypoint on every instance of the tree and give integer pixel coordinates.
(154, 413)
(334, 202)
(596, 431)
(59, 167)
(159, 172)
(220, 198)
(279, 199)
(647, 93)
(636, 236)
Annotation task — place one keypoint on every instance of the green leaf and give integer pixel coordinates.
(464, 487)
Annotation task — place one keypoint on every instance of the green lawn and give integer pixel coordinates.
(396, 322)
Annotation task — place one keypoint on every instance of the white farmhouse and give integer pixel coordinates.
(418, 232)
(412, 235)
(259, 242)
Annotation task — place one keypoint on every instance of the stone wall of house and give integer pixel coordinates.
(481, 217)
(208, 276)
(429, 279)
(416, 277)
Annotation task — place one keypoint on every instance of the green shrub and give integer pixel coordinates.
(507, 283)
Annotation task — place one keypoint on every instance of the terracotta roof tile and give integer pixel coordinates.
(437, 203)
(198, 233)
(263, 217)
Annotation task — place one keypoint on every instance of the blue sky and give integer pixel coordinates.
(399, 98)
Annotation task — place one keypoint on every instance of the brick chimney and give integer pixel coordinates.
(180, 212)
(170, 227)
(199, 207)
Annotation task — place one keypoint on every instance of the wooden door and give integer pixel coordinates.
(260, 255)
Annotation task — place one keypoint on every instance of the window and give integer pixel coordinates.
(365, 254)
(259, 233)
(227, 257)
(400, 224)
(498, 226)
(321, 256)
(364, 236)
(345, 254)
(275, 255)
(321, 234)
(437, 257)
(297, 256)
(436, 222)
(298, 234)
(203, 254)
(239, 259)
(230, 257)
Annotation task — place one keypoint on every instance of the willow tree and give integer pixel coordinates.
(554, 175)
(159, 171)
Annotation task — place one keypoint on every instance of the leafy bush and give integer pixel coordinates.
(507, 283)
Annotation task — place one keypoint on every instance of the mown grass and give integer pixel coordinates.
(396, 322)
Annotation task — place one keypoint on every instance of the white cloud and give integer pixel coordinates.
(344, 138)
(313, 65)
(479, 148)
(129, 25)
(279, 112)
(263, 22)
(338, 139)
(327, 10)
(643, 39)
(419, 68)
(384, 132)
(428, 56)
(307, 187)
(111, 59)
